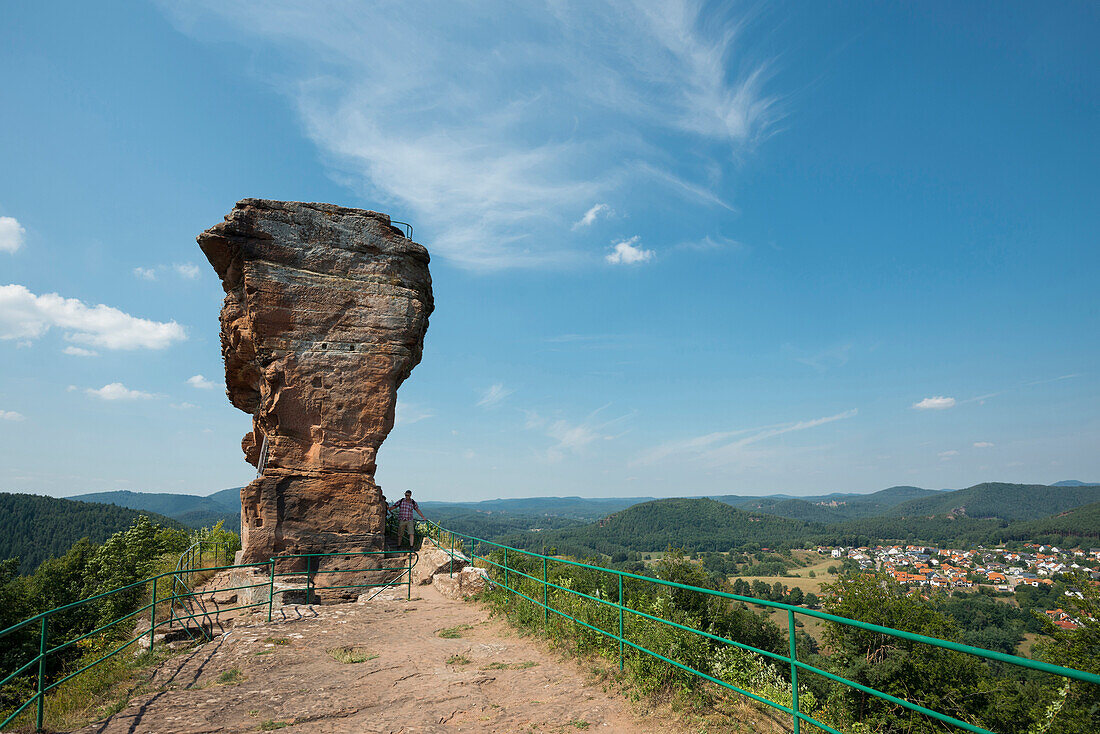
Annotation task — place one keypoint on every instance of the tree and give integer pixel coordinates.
(1075, 709)
(942, 680)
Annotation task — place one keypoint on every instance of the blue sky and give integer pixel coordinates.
(678, 249)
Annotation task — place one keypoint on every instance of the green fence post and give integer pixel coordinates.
(172, 602)
(409, 580)
(506, 566)
(794, 670)
(545, 609)
(309, 577)
(43, 636)
(153, 615)
(271, 589)
(620, 623)
(451, 572)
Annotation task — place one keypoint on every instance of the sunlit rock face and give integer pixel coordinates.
(324, 317)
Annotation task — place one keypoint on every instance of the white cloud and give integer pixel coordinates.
(200, 382)
(79, 352)
(23, 315)
(493, 142)
(626, 252)
(945, 455)
(494, 395)
(408, 413)
(725, 447)
(936, 403)
(145, 273)
(187, 270)
(983, 445)
(592, 215)
(118, 391)
(573, 437)
(183, 406)
(11, 234)
(10, 415)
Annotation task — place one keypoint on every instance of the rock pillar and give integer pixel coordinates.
(324, 317)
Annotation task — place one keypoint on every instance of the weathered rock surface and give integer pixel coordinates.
(432, 560)
(324, 317)
(467, 582)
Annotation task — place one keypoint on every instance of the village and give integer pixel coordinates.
(1003, 570)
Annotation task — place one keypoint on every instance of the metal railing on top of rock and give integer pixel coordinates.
(445, 539)
(188, 566)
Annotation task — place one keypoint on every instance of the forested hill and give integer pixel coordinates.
(1010, 502)
(693, 524)
(194, 511)
(36, 528)
(573, 508)
(1080, 522)
(834, 507)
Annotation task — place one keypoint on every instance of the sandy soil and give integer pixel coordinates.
(281, 675)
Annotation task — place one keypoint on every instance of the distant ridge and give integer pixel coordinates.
(1075, 483)
(1009, 502)
(192, 510)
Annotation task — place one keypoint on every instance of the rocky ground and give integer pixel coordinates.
(387, 665)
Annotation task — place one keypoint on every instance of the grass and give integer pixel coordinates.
(351, 654)
(526, 665)
(273, 725)
(230, 677)
(579, 723)
(453, 633)
(458, 660)
(277, 640)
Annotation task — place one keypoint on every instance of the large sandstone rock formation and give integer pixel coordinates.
(324, 317)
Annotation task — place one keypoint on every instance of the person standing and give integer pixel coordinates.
(405, 508)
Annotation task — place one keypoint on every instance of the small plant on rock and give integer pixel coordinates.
(351, 654)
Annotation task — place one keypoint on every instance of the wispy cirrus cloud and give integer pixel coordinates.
(494, 395)
(592, 215)
(493, 141)
(406, 413)
(26, 316)
(574, 437)
(724, 447)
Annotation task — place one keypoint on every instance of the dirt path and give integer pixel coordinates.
(282, 676)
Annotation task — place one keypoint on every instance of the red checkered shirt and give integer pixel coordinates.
(405, 509)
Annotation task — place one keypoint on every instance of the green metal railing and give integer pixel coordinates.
(445, 539)
(188, 568)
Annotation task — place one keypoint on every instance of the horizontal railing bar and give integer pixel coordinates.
(114, 652)
(214, 613)
(64, 645)
(391, 554)
(34, 660)
(211, 591)
(316, 572)
(19, 710)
